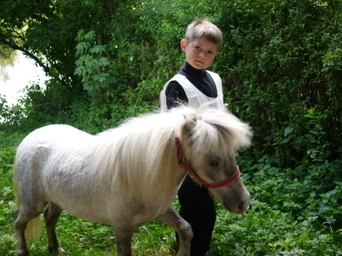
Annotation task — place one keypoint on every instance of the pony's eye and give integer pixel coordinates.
(214, 162)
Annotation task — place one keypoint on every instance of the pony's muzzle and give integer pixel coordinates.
(243, 206)
(238, 206)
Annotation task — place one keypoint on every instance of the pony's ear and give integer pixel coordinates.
(188, 126)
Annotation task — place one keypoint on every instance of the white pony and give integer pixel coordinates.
(128, 175)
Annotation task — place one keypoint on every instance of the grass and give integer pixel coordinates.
(261, 231)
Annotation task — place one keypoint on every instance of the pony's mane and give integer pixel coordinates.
(222, 130)
(133, 153)
(142, 149)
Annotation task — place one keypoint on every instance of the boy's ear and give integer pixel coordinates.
(183, 44)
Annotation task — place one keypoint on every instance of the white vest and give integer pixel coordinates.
(196, 97)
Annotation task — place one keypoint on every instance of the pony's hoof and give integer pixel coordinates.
(56, 250)
(61, 250)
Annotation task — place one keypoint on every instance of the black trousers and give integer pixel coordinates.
(197, 208)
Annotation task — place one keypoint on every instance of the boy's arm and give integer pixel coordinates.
(175, 95)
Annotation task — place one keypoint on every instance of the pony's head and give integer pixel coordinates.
(209, 140)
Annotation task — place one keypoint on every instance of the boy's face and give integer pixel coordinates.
(200, 52)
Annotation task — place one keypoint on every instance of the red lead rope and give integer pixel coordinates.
(185, 166)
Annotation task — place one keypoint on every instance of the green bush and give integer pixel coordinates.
(280, 69)
(262, 230)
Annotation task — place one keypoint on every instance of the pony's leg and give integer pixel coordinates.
(22, 216)
(123, 237)
(20, 226)
(174, 220)
(51, 215)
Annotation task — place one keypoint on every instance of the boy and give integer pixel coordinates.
(196, 86)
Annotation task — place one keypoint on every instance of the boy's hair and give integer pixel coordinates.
(204, 28)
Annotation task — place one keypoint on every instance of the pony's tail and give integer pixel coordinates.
(33, 228)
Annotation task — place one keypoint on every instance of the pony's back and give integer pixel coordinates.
(49, 149)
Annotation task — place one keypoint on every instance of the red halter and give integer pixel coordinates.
(184, 165)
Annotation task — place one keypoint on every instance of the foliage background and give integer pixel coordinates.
(281, 66)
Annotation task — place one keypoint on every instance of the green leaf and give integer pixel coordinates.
(287, 131)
